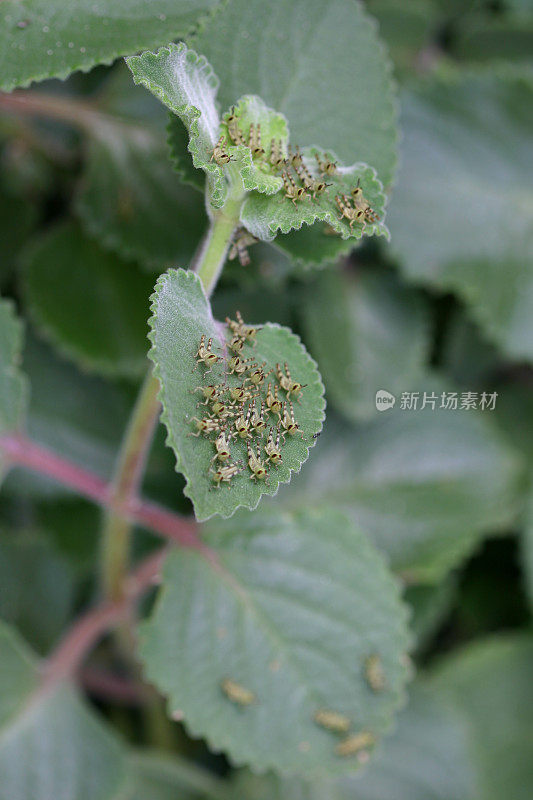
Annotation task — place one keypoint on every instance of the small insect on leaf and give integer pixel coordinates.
(256, 465)
(332, 720)
(204, 355)
(220, 154)
(225, 473)
(325, 165)
(292, 191)
(355, 743)
(242, 240)
(237, 693)
(374, 673)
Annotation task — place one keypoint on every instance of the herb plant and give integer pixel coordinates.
(211, 585)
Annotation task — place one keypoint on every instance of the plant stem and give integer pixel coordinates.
(125, 486)
(17, 450)
(211, 255)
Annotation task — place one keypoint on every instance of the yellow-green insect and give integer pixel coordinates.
(272, 447)
(222, 447)
(254, 140)
(255, 464)
(355, 743)
(288, 423)
(205, 426)
(362, 204)
(225, 472)
(209, 392)
(287, 383)
(274, 404)
(237, 693)
(220, 154)
(238, 366)
(257, 421)
(326, 165)
(257, 374)
(333, 721)
(292, 191)
(221, 410)
(204, 355)
(240, 394)
(240, 247)
(236, 344)
(277, 159)
(374, 673)
(351, 213)
(310, 184)
(238, 328)
(243, 424)
(233, 128)
(295, 158)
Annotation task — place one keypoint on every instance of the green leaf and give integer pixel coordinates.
(66, 272)
(368, 332)
(187, 84)
(490, 682)
(327, 72)
(289, 605)
(160, 776)
(316, 246)
(42, 612)
(51, 743)
(482, 39)
(178, 140)
(527, 548)
(425, 485)
(132, 202)
(181, 315)
(86, 427)
(424, 759)
(256, 175)
(430, 605)
(265, 215)
(13, 384)
(17, 220)
(461, 218)
(45, 39)
(406, 28)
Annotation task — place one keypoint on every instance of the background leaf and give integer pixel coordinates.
(13, 384)
(88, 302)
(186, 83)
(52, 745)
(461, 216)
(318, 53)
(490, 684)
(131, 200)
(288, 605)
(181, 316)
(368, 332)
(424, 759)
(425, 485)
(45, 39)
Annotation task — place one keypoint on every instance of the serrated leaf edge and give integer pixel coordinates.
(169, 441)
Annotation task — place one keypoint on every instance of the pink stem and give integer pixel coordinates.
(18, 450)
(66, 659)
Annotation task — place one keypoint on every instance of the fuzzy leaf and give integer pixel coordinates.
(289, 605)
(256, 174)
(461, 217)
(47, 39)
(13, 384)
(425, 758)
(327, 72)
(264, 216)
(51, 744)
(368, 332)
(41, 613)
(181, 315)
(66, 272)
(315, 246)
(490, 684)
(132, 202)
(187, 84)
(425, 485)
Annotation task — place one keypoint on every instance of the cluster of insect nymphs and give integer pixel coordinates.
(298, 182)
(350, 744)
(241, 412)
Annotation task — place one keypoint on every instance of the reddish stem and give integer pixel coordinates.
(18, 450)
(107, 686)
(67, 658)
